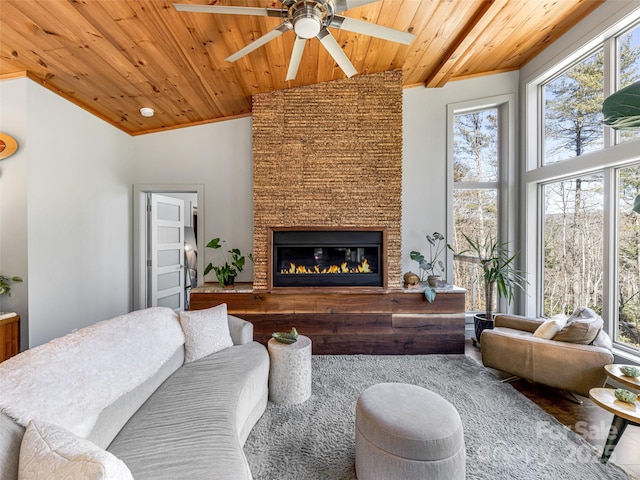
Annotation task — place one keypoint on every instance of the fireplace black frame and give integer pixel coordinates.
(370, 238)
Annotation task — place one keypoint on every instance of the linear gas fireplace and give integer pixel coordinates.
(327, 258)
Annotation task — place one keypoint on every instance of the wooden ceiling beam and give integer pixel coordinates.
(465, 40)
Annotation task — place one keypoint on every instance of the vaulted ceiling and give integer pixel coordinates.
(112, 57)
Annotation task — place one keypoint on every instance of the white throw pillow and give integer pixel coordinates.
(52, 452)
(583, 326)
(205, 332)
(550, 327)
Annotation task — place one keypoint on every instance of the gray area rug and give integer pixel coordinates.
(506, 435)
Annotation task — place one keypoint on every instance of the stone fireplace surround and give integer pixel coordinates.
(329, 156)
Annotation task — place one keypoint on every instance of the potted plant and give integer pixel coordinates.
(498, 271)
(227, 272)
(5, 284)
(432, 268)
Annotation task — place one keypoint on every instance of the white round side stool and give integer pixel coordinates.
(290, 371)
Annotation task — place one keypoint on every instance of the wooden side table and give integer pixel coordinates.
(9, 336)
(613, 372)
(623, 414)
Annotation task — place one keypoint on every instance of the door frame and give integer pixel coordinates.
(140, 233)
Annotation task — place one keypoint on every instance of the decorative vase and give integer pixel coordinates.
(480, 323)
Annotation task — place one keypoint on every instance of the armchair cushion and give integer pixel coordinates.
(582, 327)
(550, 328)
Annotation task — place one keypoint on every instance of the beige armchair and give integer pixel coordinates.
(576, 368)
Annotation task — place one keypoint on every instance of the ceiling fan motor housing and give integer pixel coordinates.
(308, 17)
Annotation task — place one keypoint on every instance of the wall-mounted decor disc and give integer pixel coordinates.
(8, 145)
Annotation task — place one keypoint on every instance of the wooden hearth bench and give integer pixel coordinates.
(348, 321)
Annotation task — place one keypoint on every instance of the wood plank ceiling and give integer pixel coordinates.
(112, 57)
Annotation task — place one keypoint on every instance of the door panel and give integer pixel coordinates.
(166, 252)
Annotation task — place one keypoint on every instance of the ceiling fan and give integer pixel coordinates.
(308, 19)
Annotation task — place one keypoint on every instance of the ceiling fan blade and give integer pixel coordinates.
(336, 52)
(260, 12)
(267, 37)
(342, 5)
(371, 29)
(296, 55)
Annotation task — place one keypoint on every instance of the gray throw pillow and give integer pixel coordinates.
(582, 327)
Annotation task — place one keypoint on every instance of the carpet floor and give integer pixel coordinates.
(506, 435)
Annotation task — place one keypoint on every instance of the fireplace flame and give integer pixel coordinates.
(363, 267)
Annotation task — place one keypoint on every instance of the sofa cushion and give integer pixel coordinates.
(52, 452)
(205, 332)
(550, 327)
(582, 327)
(192, 426)
(89, 362)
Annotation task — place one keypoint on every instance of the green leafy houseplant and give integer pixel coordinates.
(498, 272)
(433, 267)
(5, 284)
(621, 109)
(227, 272)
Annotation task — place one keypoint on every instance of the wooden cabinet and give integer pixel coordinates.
(9, 337)
(385, 322)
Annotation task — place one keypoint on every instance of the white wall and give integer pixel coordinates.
(68, 201)
(78, 215)
(217, 155)
(424, 187)
(13, 198)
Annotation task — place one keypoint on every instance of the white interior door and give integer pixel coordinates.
(165, 259)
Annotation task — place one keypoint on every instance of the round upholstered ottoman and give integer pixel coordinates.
(407, 432)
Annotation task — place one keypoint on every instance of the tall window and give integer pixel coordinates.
(583, 238)
(573, 110)
(573, 273)
(628, 261)
(476, 156)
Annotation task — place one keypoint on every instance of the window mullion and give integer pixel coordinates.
(610, 249)
(610, 83)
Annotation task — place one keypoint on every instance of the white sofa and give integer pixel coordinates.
(164, 417)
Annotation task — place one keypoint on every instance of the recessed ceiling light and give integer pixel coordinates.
(146, 112)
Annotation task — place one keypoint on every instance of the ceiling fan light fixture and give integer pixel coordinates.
(307, 21)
